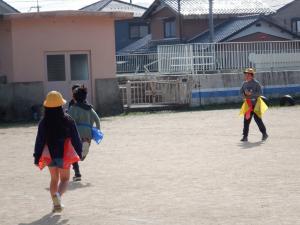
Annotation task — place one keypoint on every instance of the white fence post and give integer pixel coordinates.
(128, 93)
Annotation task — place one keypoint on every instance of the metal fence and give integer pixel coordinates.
(162, 92)
(233, 56)
(137, 63)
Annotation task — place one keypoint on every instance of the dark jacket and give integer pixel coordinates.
(57, 149)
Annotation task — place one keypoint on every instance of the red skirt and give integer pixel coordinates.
(70, 156)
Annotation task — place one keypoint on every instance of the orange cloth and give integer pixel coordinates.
(70, 156)
(259, 109)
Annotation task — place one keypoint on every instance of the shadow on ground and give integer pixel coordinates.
(49, 219)
(78, 185)
(248, 145)
(75, 185)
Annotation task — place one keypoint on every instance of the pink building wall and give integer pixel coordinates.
(5, 49)
(33, 37)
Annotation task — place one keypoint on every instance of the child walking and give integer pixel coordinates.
(57, 146)
(85, 117)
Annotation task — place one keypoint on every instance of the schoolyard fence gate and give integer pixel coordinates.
(155, 92)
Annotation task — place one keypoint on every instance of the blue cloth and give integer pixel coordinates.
(97, 135)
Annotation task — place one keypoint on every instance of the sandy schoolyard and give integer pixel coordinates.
(186, 168)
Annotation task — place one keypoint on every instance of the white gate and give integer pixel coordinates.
(163, 92)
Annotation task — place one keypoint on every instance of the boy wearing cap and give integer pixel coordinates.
(251, 90)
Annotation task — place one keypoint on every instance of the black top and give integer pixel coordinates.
(56, 150)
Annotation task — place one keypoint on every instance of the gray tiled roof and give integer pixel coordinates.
(277, 4)
(6, 8)
(226, 29)
(146, 45)
(115, 5)
(136, 45)
(201, 7)
(152, 45)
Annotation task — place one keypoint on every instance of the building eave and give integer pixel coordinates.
(68, 13)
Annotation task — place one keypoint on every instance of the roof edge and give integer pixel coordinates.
(9, 6)
(68, 13)
(95, 4)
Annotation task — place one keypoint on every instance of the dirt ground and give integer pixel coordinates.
(186, 168)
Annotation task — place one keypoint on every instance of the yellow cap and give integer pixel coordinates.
(54, 99)
(249, 70)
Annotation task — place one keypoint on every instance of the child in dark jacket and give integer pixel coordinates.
(57, 146)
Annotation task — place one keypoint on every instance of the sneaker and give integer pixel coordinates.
(244, 139)
(77, 178)
(57, 205)
(264, 137)
(57, 208)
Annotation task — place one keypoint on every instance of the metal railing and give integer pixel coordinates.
(153, 92)
(230, 56)
(136, 63)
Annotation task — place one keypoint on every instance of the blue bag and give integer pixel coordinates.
(97, 135)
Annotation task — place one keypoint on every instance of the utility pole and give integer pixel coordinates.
(37, 6)
(211, 22)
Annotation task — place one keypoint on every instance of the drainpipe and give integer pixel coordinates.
(180, 19)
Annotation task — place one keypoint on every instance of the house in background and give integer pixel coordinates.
(251, 20)
(54, 50)
(246, 29)
(6, 8)
(167, 22)
(126, 31)
(287, 15)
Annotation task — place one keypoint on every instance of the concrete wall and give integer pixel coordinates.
(108, 101)
(224, 88)
(16, 100)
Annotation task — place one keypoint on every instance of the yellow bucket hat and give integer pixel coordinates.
(249, 70)
(54, 99)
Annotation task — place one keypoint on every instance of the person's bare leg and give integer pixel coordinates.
(54, 180)
(64, 175)
(57, 206)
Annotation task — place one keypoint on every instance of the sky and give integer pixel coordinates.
(48, 5)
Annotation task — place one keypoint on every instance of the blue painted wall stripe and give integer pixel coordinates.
(235, 93)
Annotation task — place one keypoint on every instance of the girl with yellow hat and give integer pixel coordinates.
(57, 146)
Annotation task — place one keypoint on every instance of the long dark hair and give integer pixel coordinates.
(55, 124)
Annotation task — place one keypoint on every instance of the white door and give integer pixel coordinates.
(64, 69)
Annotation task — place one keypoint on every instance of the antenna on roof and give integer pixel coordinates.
(37, 7)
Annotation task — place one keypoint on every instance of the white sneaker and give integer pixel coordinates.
(57, 205)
